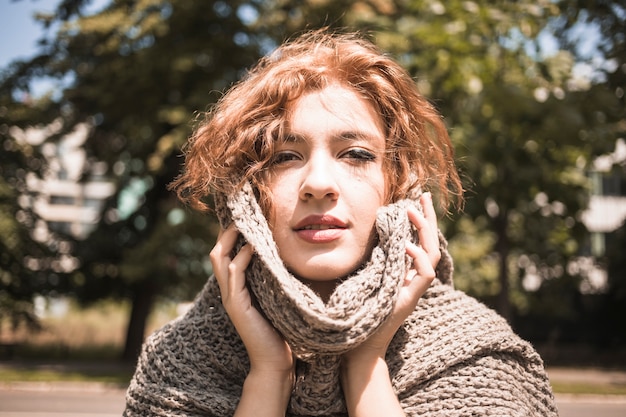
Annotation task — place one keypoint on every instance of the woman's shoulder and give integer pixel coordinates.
(204, 321)
(185, 363)
(471, 359)
(202, 339)
(444, 306)
(449, 326)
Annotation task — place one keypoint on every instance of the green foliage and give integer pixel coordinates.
(475, 265)
(22, 258)
(136, 72)
(524, 127)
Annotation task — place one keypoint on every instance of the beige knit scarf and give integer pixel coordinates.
(358, 306)
(452, 356)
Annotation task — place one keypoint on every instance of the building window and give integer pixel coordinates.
(60, 227)
(62, 200)
(613, 184)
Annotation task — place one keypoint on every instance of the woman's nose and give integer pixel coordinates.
(319, 180)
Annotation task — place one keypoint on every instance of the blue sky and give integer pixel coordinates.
(18, 30)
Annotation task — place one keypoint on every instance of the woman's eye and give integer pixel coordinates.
(283, 157)
(360, 154)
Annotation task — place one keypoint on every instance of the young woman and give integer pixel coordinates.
(332, 289)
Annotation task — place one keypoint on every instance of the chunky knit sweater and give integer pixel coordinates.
(452, 356)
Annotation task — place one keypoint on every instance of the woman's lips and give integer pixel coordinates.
(320, 229)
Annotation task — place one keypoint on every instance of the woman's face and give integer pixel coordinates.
(326, 184)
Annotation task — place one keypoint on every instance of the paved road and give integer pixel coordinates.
(589, 406)
(69, 401)
(76, 401)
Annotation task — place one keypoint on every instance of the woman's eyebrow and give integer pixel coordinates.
(356, 135)
(339, 136)
(290, 137)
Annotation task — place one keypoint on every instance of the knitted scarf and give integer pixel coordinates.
(452, 356)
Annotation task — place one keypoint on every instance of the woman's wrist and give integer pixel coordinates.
(265, 393)
(358, 368)
(367, 386)
(278, 381)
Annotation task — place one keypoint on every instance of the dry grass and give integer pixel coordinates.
(95, 332)
(588, 388)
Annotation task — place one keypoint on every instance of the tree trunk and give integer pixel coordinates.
(503, 303)
(143, 298)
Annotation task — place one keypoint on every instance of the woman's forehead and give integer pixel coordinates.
(335, 106)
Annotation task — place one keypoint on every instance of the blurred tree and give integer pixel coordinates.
(525, 128)
(608, 64)
(614, 301)
(138, 70)
(595, 34)
(23, 258)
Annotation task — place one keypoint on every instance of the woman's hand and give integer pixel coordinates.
(268, 385)
(365, 377)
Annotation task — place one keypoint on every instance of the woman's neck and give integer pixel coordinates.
(322, 288)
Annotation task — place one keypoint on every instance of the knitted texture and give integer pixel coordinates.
(451, 357)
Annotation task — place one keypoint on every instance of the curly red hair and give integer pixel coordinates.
(235, 141)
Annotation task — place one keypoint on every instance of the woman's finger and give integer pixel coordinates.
(426, 201)
(427, 234)
(237, 269)
(226, 239)
(422, 267)
(230, 273)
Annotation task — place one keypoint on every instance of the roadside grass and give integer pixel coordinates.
(587, 388)
(84, 345)
(115, 376)
(75, 344)
(120, 375)
(69, 331)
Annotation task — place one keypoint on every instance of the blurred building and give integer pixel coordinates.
(69, 196)
(607, 206)
(606, 213)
